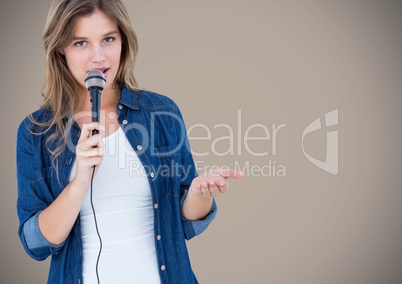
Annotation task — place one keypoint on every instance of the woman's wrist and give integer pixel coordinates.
(196, 207)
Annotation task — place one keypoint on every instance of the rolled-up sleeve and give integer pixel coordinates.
(195, 228)
(33, 196)
(191, 228)
(35, 241)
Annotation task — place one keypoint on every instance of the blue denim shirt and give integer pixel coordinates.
(154, 127)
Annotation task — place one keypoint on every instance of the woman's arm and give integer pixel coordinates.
(56, 221)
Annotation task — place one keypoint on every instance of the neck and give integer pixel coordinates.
(108, 116)
(109, 99)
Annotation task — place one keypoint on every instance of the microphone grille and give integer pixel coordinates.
(95, 78)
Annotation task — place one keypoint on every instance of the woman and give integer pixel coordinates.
(147, 197)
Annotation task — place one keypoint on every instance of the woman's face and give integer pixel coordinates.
(96, 44)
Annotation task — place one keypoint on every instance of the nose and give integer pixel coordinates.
(97, 53)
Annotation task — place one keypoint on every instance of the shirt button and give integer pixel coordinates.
(125, 122)
(139, 147)
(156, 205)
(158, 237)
(152, 174)
(120, 107)
(163, 267)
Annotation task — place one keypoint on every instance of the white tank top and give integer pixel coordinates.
(124, 211)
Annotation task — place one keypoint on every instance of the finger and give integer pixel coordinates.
(87, 129)
(92, 152)
(205, 189)
(94, 141)
(223, 186)
(90, 162)
(236, 174)
(226, 172)
(214, 188)
(196, 189)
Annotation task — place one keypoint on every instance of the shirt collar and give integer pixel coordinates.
(129, 98)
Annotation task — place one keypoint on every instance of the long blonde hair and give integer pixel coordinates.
(60, 89)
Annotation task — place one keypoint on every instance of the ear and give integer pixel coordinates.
(61, 51)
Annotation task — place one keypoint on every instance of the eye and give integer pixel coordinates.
(109, 39)
(80, 43)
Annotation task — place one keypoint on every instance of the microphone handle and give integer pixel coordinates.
(95, 105)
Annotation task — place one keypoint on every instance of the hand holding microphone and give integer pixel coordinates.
(89, 150)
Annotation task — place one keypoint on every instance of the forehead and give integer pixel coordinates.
(98, 23)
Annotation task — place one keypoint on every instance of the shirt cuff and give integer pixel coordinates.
(34, 237)
(195, 228)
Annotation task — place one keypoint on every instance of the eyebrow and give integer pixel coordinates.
(84, 38)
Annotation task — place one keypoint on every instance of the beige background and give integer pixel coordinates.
(277, 62)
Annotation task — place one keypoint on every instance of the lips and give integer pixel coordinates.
(104, 70)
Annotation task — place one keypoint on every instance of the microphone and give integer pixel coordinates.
(95, 82)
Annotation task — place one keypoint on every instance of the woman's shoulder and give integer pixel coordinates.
(42, 114)
(36, 120)
(152, 99)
